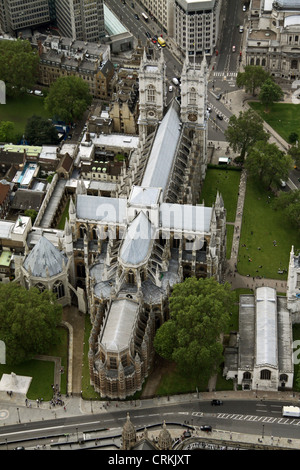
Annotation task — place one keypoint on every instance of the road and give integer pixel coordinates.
(262, 418)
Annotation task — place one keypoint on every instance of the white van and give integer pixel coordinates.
(224, 161)
(175, 81)
(38, 93)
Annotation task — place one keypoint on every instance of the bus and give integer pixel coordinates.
(145, 17)
(161, 41)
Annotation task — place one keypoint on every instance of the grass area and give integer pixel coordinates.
(64, 215)
(18, 110)
(284, 118)
(42, 372)
(174, 383)
(261, 226)
(227, 183)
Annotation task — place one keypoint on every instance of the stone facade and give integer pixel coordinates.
(273, 38)
(130, 250)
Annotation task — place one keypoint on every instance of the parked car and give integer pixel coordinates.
(209, 110)
(244, 8)
(215, 402)
(170, 88)
(206, 428)
(148, 34)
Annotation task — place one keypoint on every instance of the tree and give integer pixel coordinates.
(267, 163)
(40, 131)
(18, 66)
(199, 313)
(289, 204)
(28, 321)
(32, 214)
(243, 131)
(68, 98)
(269, 93)
(7, 132)
(252, 78)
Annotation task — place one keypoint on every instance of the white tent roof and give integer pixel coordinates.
(266, 327)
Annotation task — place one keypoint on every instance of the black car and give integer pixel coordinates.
(216, 402)
(219, 116)
(137, 17)
(219, 96)
(148, 34)
(206, 428)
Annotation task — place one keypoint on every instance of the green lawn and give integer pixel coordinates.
(227, 183)
(261, 226)
(18, 110)
(42, 372)
(284, 118)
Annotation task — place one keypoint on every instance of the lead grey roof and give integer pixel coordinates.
(119, 326)
(163, 150)
(140, 196)
(137, 242)
(103, 209)
(185, 217)
(45, 255)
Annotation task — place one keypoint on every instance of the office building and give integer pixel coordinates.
(81, 19)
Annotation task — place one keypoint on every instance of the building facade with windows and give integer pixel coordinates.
(81, 19)
(192, 25)
(196, 26)
(273, 38)
(16, 15)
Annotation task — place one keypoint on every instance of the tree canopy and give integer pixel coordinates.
(18, 66)
(8, 132)
(40, 131)
(268, 163)
(28, 321)
(68, 98)
(252, 78)
(243, 131)
(289, 204)
(269, 93)
(199, 313)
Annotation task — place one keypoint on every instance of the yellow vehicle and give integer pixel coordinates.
(161, 42)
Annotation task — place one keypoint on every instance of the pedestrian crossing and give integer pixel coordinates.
(225, 74)
(261, 419)
(253, 418)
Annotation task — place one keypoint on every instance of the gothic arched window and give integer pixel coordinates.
(192, 97)
(59, 289)
(150, 94)
(41, 287)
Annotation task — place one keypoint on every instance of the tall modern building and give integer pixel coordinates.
(80, 19)
(77, 19)
(16, 15)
